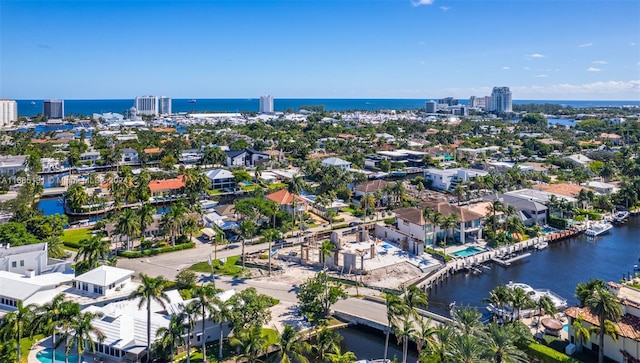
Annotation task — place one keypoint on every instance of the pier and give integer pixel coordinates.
(508, 262)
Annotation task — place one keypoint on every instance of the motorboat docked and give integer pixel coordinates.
(558, 302)
(542, 245)
(193, 100)
(598, 229)
(620, 217)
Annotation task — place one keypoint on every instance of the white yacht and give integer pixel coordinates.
(558, 302)
(598, 229)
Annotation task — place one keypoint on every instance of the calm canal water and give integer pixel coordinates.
(560, 267)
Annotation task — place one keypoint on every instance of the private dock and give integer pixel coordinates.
(508, 262)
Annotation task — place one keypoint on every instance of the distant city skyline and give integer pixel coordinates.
(541, 50)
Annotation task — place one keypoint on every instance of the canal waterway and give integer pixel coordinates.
(559, 267)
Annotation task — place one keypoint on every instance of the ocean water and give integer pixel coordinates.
(88, 107)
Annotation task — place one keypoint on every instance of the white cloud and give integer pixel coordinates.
(421, 2)
(600, 62)
(444, 8)
(593, 69)
(632, 43)
(536, 55)
(541, 76)
(604, 90)
(585, 45)
(506, 68)
(526, 68)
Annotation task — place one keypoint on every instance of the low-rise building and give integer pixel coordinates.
(128, 155)
(103, 280)
(447, 179)
(530, 212)
(168, 188)
(221, 179)
(337, 162)
(10, 164)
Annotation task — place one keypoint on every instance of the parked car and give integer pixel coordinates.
(355, 223)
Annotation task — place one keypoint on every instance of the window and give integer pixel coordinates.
(21, 263)
(97, 289)
(14, 264)
(84, 286)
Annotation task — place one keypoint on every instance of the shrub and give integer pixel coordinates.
(156, 251)
(545, 354)
(436, 253)
(391, 220)
(556, 222)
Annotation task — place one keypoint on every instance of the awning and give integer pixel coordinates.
(209, 232)
(552, 324)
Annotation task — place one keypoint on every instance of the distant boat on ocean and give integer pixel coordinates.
(33, 102)
(193, 100)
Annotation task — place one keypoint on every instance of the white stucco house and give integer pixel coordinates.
(337, 162)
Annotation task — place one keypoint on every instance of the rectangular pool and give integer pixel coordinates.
(469, 251)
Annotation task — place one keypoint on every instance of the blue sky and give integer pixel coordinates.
(542, 49)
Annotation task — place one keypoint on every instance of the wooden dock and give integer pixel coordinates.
(508, 262)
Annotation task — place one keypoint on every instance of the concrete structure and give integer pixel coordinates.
(337, 162)
(447, 179)
(501, 100)
(30, 258)
(53, 109)
(411, 222)
(266, 104)
(626, 346)
(221, 179)
(147, 105)
(128, 155)
(8, 112)
(164, 105)
(29, 288)
(469, 228)
(103, 280)
(530, 212)
(10, 164)
(431, 106)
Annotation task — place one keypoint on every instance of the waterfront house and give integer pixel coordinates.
(601, 187)
(10, 165)
(236, 158)
(89, 157)
(412, 231)
(103, 280)
(626, 345)
(337, 162)
(370, 187)
(447, 179)
(469, 228)
(33, 257)
(529, 211)
(255, 157)
(168, 188)
(221, 179)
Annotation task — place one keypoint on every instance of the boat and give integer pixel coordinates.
(598, 229)
(559, 302)
(620, 217)
(193, 100)
(542, 245)
(33, 102)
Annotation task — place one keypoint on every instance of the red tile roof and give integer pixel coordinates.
(167, 184)
(628, 325)
(283, 197)
(154, 150)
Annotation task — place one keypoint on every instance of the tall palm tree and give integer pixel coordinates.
(250, 342)
(219, 314)
(270, 235)
(84, 334)
(585, 289)
(513, 225)
(52, 314)
(448, 223)
(545, 304)
(296, 185)
(395, 307)
(325, 251)
(204, 299)
(414, 298)
(327, 341)
(173, 219)
(292, 347)
(17, 321)
(519, 300)
(145, 216)
(172, 336)
(467, 320)
(128, 224)
(499, 297)
(581, 333)
(403, 330)
(499, 342)
(466, 349)
(605, 306)
(91, 251)
(247, 230)
(424, 333)
(495, 207)
(151, 289)
(190, 312)
(439, 344)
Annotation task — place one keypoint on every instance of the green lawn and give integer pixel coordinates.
(229, 268)
(348, 210)
(214, 192)
(25, 346)
(73, 236)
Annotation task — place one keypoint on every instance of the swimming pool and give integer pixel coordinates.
(44, 356)
(469, 251)
(565, 327)
(548, 229)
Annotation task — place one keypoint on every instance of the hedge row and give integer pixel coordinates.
(156, 251)
(542, 353)
(556, 222)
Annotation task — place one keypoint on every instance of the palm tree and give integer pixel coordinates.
(76, 196)
(171, 337)
(17, 321)
(439, 344)
(414, 298)
(499, 297)
(495, 207)
(347, 357)
(585, 289)
(424, 333)
(403, 330)
(466, 349)
(205, 297)
(514, 225)
(330, 215)
(218, 314)
(190, 312)
(395, 307)
(128, 224)
(467, 320)
(145, 214)
(327, 341)
(545, 304)
(172, 221)
(292, 347)
(247, 230)
(270, 235)
(605, 306)
(581, 333)
(499, 342)
(151, 289)
(296, 185)
(250, 342)
(519, 300)
(326, 249)
(52, 314)
(84, 334)
(448, 223)
(90, 252)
